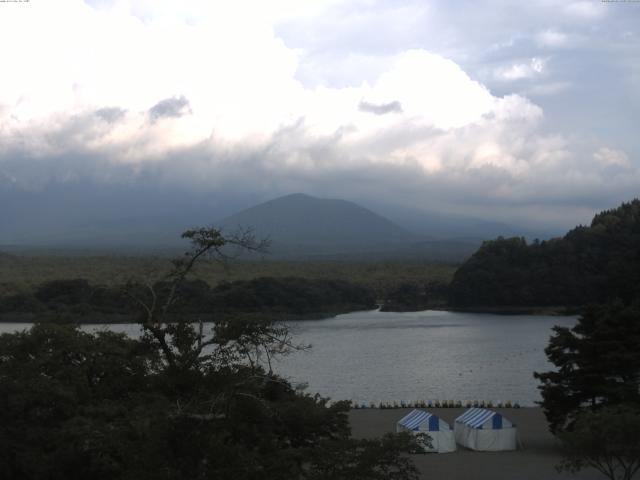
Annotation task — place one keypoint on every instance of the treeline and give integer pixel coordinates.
(416, 296)
(26, 272)
(290, 296)
(590, 264)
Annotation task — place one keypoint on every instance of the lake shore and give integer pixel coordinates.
(99, 318)
(536, 460)
(558, 310)
(95, 317)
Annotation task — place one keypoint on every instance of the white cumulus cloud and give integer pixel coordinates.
(532, 69)
(612, 157)
(209, 95)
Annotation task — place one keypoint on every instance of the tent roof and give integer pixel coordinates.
(418, 418)
(476, 417)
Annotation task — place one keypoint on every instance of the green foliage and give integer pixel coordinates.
(24, 273)
(66, 398)
(291, 295)
(589, 265)
(179, 403)
(102, 406)
(264, 296)
(597, 364)
(70, 292)
(414, 296)
(606, 440)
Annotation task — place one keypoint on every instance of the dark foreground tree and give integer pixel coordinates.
(597, 364)
(607, 440)
(179, 403)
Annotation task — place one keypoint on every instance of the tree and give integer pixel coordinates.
(68, 400)
(597, 361)
(180, 344)
(179, 403)
(596, 263)
(607, 440)
(408, 296)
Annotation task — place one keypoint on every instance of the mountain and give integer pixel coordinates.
(82, 218)
(148, 217)
(302, 223)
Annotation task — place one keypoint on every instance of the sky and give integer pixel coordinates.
(522, 112)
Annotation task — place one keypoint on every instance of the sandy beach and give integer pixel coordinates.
(536, 459)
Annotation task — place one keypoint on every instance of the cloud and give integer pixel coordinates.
(549, 88)
(585, 9)
(174, 107)
(110, 114)
(612, 157)
(380, 109)
(534, 68)
(229, 112)
(552, 38)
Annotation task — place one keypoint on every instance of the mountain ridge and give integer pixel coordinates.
(299, 219)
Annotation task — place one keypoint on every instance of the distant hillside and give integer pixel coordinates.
(303, 223)
(440, 225)
(91, 218)
(588, 265)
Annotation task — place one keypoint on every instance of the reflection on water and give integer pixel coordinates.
(380, 356)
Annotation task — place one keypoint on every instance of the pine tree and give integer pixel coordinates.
(597, 361)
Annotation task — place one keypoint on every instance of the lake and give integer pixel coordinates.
(377, 356)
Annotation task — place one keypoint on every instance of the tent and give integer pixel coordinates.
(421, 422)
(485, 430)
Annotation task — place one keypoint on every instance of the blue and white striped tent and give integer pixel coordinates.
(486, 430)
(421, 422)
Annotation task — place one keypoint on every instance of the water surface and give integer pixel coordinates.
(382, 356)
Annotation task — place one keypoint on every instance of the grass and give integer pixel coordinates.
(24, 272)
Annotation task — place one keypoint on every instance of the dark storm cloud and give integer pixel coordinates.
(296, 160)
(173, 107)
(203, 182)
(380, 109)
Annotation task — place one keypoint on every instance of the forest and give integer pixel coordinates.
(91, 288)
(76, 300)
(590, 264)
